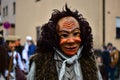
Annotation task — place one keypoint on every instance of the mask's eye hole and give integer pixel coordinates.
(76, 34)
(63, 35)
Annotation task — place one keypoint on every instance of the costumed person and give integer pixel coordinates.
(14, 59)
(3, 59)
(19, 47)
(29, 49)
(65, 49)
(26, 48)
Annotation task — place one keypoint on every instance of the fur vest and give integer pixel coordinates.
(46, 67)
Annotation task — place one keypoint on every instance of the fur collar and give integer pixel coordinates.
(46, 67)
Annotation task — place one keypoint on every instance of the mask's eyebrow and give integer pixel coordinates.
(68, 31)
(76, 29)
(63, 31)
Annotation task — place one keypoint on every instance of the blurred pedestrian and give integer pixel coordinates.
(3, 59)
(26, 47)
(118, 66)
(19, 47)
(106, 60)
(29, 49)
(114, 55)
(14, 59)
(1, 39)
(64, 51)
(114, 61)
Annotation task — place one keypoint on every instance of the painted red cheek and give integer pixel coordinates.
(62, 41)
(78, 39)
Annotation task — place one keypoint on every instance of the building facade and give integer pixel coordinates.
(8, 8)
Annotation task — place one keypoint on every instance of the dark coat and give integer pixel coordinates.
(3, 59)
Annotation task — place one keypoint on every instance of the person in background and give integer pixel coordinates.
(26, 47)
(1, 39)
(65, 49)
(118, 66)
(29, 49)
(114, 55)
(3, 59)
(106, 60)
(19, 47)
(109, 47)
(14, 59)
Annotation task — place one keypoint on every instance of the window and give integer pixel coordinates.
(14, 7)
(118, 27)
(3, 12)
(6, 10)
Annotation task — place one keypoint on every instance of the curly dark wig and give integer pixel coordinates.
(49, 36)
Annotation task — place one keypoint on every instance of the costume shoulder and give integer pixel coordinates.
(41, 58)
(89, 67)
(45, 68)
(32, 58)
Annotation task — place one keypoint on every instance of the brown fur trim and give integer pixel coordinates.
(46, 68)
(89, 69)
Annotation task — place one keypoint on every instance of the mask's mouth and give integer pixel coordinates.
(70, 48)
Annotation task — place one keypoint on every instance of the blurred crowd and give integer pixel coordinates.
(109, 62)
(14, 56)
